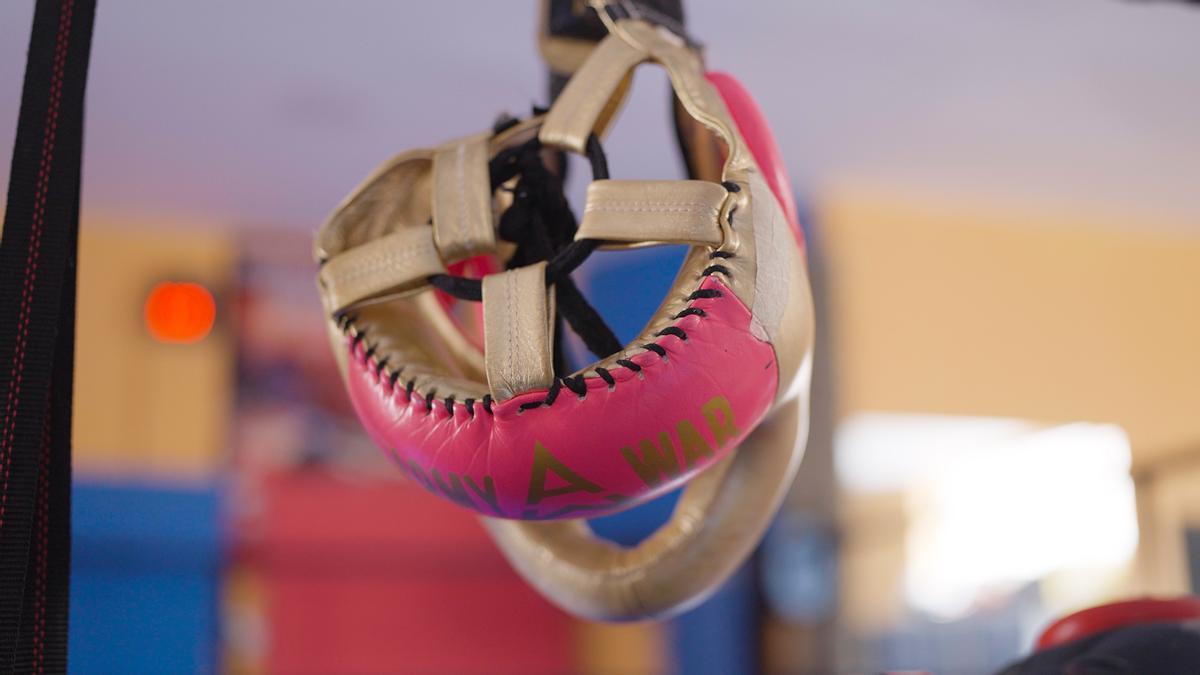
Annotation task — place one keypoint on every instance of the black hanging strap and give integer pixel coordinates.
(37, 340)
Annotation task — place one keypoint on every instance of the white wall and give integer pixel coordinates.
(267, 111)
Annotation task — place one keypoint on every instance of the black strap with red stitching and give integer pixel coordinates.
(37, 340)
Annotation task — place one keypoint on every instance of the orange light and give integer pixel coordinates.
(180, 312)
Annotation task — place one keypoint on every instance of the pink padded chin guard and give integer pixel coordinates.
(612, 448)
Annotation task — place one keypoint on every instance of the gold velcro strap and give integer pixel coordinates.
(518, 331)
(666, 211)
(462, 199)
(592, 96)
(397, 262)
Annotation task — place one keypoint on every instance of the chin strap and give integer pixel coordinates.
(37, 341)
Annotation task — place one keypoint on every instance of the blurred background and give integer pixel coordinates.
(1004, 224)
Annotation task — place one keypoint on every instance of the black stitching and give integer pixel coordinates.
(657, 349)
(673, 330)
(380, 365)
(630, 365)
(576, 385)
(606, 376)
(731, 186)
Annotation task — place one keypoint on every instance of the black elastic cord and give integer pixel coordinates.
(505, 166)
(541, 223)
(459, 287)
(585, 320)
(596, 156)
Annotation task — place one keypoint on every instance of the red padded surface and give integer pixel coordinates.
(753, 125)
(1116, 615)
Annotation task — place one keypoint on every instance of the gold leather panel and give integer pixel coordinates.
(661, 211)
(418, 338)
(394, 263)
(393, 196)
(518, 331)
(462, 199)
(592, 97)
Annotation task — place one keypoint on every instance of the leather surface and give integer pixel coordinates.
(462, 199)
(393, 196)
(1094, 620)
(592, 97)
(753, 126)
(596, 454)
(659, 211)
(393, 263)
(518, 331)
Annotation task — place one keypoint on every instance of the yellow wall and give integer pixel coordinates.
(973, 309)
(143, 407)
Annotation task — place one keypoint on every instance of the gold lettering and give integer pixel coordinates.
(691, 443)
(657, 462)
(543, 461)
(719, 416)
(455, 491)
(419, 474)
(487, 494)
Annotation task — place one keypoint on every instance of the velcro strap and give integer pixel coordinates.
(663, 211)
(397, 262)
(462, 199)
(518, 331)
(591, 98)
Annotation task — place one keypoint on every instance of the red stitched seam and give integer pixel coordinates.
(42, 551)
(49, 137)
